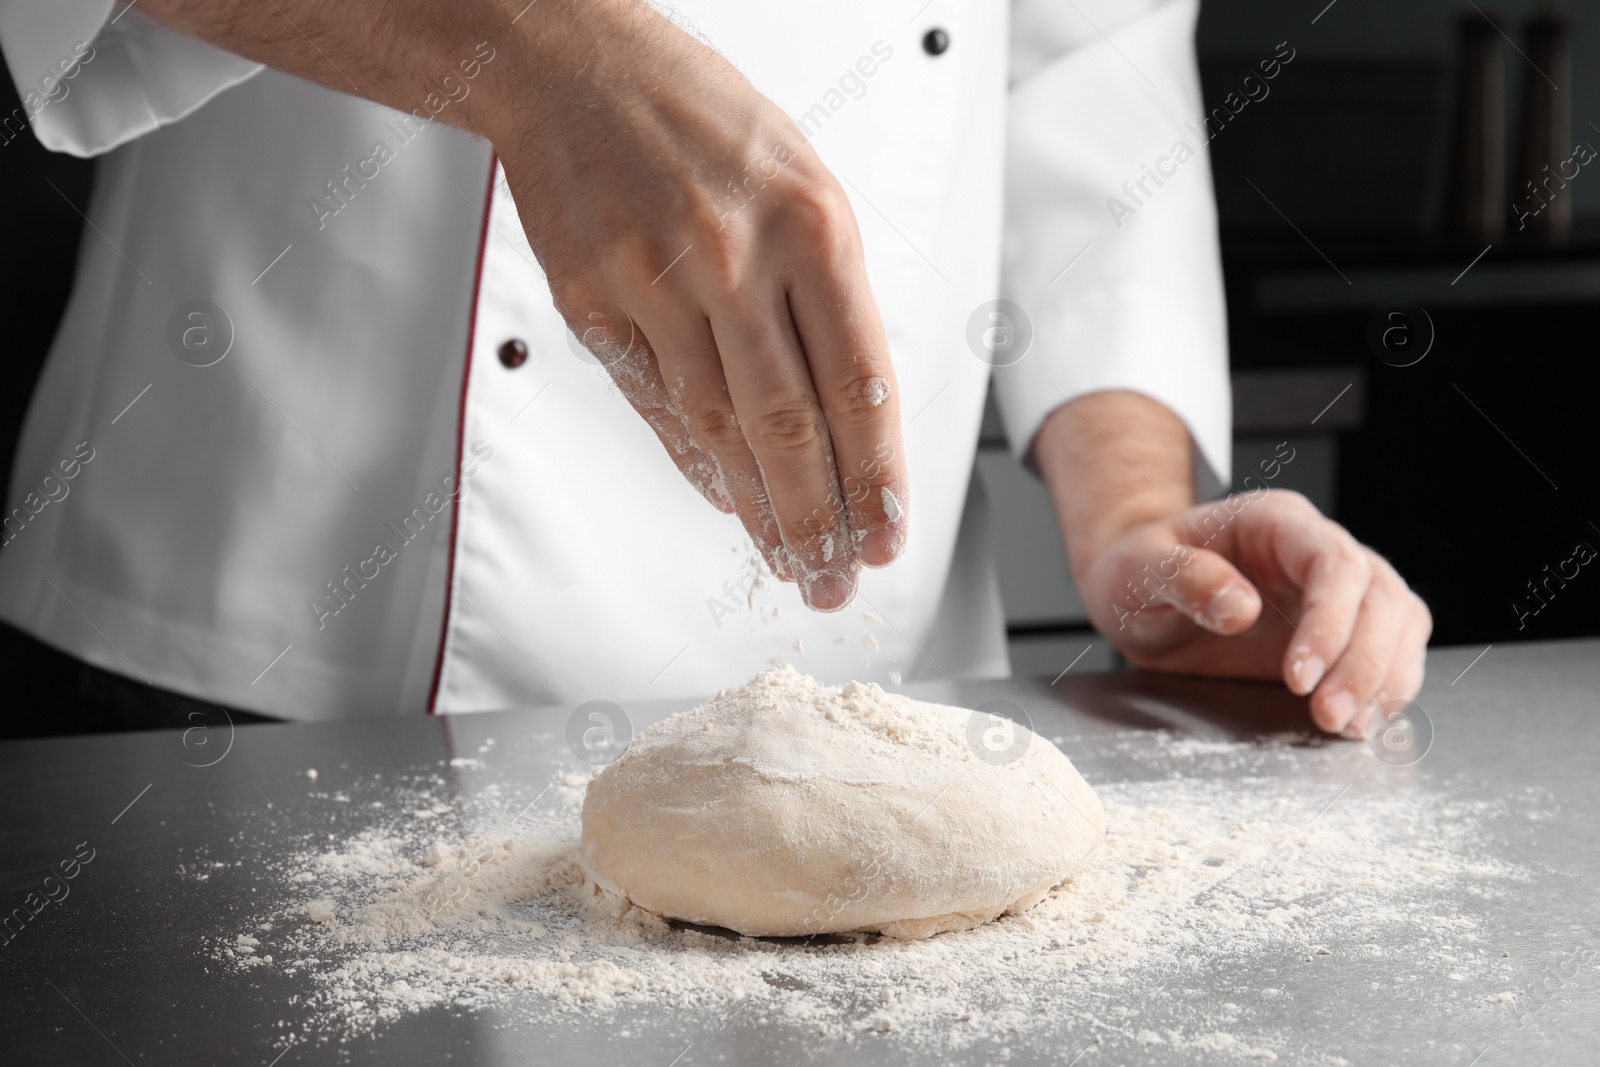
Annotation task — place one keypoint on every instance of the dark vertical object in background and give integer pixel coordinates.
(1543, 208)
(39, 234)
(1478, 201)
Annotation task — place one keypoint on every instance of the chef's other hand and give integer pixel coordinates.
(1278, 591)
(1259, 585)
(693, 241)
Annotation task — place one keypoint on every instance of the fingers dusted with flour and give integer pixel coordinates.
(848, 354)
(786, 429)
(696, 391)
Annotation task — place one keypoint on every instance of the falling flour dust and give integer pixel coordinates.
(457, 894)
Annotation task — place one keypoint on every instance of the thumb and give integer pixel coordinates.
(1203, 586)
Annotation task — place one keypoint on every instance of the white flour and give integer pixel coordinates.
(891, 505)
(1151, 944)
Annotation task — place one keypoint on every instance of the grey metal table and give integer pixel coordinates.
(116, 970)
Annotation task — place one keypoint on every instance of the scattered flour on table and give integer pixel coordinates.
(428, 908)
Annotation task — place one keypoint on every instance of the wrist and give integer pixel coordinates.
(553, 57)
(1113, 462)
(1088, 541)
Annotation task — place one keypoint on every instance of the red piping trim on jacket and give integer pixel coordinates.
(461, 434)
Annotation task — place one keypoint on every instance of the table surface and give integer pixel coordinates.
(116, 972)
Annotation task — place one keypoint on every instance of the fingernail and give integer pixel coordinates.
(1228, 603)
(1308, 670)
(829, 592)
(881, 546)
(779, 566)
(1342, 706)
(1360, 725)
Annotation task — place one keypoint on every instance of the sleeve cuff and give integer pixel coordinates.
(1130, 339)
(94, 74)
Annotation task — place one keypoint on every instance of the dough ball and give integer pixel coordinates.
(789, 808)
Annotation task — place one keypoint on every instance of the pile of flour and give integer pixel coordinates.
(467, 897)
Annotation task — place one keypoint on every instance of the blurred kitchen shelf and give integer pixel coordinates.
(1287, 274)
(1282, 246)
(1298, 399)
(1513, 283)
(1265, 400)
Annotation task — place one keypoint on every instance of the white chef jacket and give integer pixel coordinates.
(360, 510)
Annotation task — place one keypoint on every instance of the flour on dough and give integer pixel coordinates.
(785, 807)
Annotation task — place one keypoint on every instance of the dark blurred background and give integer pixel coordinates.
(1466, 469)
(38, 247)
(1382, 162)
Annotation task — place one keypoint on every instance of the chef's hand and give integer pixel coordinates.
(692, 238)
(697, 245)
(1258, 586)
(1278, 591)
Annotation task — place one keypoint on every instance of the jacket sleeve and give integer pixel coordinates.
(94, 74)
(1110, 244)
